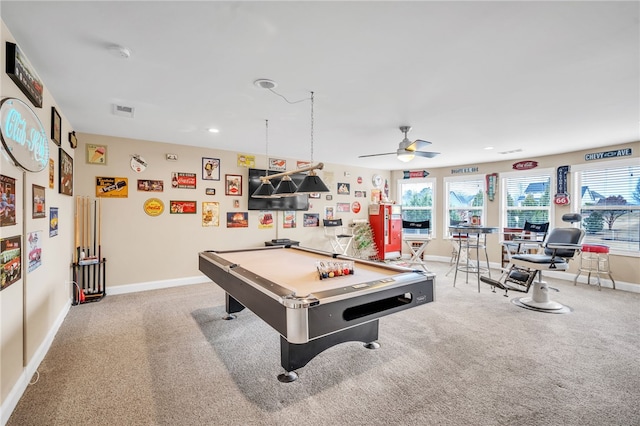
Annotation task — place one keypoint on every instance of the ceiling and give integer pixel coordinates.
(537, 78)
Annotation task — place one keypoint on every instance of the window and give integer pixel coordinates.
(417, 202)
(464, 199)
(608, 198)
(526, 196)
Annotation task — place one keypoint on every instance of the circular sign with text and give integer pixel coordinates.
(355, 207)
(23, 136)
(138, 164)
(153, 207)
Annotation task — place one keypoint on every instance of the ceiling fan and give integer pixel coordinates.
(407, 149)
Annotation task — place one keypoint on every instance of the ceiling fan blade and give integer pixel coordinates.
(417, 145)
(376, 155)
(426, 154)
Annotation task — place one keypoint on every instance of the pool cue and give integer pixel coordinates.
(85, 203)
(76, 234)
(100, 264)
(95, 223)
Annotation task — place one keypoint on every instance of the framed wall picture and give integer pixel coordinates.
(65, 173)
(52, 171)
(96, 154)
(38, 202)
(10, 261)
(210, 168)
(233, 185)
(21, 72)
(56, 126)
(7, 201)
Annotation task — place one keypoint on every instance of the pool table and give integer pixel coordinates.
(281, 285)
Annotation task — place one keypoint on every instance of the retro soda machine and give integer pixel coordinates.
(386, 224)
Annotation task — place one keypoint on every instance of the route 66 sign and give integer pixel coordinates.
(561, 199)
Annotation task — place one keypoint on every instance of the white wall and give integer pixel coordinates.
(142, 249)
(31, 307)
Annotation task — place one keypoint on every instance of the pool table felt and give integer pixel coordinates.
(296, 270)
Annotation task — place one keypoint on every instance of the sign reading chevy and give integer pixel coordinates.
(608, 154)
(23, 135)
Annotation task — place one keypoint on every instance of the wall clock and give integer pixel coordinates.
(377, 181)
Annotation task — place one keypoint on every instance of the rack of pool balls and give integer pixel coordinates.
(334, 269)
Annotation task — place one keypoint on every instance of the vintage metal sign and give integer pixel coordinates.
(525, 165)
(474, 169)
(413, 174)
(608, 154)
(112, 187)
(153, 207)
(492, 180)
(562, 196)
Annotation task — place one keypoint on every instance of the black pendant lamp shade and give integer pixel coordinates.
(312, 184)
(286, 188)
(265, 190)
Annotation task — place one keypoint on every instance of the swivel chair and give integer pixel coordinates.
(562, 245)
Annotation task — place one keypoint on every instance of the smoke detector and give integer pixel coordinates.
(264, 83)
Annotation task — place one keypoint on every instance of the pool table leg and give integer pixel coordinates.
(231, 306)
(294, 356)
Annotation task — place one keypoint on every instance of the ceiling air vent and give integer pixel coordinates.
(513, 151)
(123, 111)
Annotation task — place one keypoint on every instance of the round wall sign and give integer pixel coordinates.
(355, 207)
(23, 136)
(153, 207)
(138, 164)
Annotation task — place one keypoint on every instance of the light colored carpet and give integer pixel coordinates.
(167, 358)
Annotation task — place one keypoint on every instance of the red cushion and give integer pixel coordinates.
(595, 248)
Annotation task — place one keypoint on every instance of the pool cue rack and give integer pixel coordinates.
(89, 267)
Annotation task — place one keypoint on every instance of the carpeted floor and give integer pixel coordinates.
(167, 358)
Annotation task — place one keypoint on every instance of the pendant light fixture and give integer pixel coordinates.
(266, 189)
(286, 188)
(312, 182)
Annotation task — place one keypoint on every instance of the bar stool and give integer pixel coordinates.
(594, 259)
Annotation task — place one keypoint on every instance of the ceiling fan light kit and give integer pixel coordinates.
(405, 156)
(408, 150)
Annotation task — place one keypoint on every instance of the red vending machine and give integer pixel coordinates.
(386, 224)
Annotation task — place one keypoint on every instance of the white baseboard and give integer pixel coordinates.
(18, 389)
(156, 285)
(567, 276)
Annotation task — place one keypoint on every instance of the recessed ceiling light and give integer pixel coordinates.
(212, 130)
(488, 148)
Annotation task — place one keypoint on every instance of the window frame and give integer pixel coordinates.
(427, 180)
(463, 178)
(504, 222)
(576, 200)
